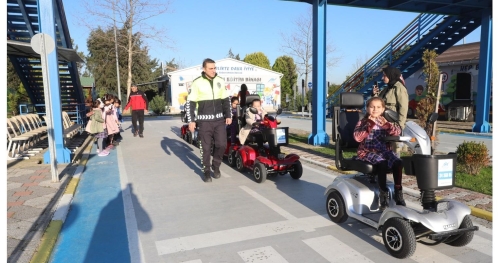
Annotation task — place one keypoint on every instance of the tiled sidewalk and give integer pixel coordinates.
(31, 201)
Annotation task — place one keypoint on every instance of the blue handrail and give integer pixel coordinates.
(399, 45)
(78, 115)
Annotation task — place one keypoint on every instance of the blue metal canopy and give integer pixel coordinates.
(466, 8)
(458, 18)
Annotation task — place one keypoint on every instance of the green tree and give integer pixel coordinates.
(332, 89)
(16, 93)
(101, 61)
(230, 54)
(258, 59)
(427, 105)
(287, 67)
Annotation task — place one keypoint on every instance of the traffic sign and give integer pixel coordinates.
(309, 84)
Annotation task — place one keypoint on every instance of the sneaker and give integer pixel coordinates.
(98, 151)
(135, 134)
(141, 135)
(104, 153)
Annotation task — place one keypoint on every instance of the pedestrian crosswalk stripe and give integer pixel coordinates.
(423, 253)
(174, 245)
(263, 254)
(335, 250)
(482, 245)
(268, 203)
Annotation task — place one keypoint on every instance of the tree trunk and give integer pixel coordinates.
(130, 49)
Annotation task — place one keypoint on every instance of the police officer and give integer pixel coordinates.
(208, 94)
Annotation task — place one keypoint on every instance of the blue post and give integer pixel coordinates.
(484, 76)
(318, 135)
(47, 26)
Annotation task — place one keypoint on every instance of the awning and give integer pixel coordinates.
(23, 49)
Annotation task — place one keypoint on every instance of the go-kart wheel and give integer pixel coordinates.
(336, 207)
(297, 170)
(259, 172)
(399, 238)
(189, 136)
(463, 239)
(239, 162)
(231, 158)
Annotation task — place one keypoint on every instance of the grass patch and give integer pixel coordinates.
(482, 183)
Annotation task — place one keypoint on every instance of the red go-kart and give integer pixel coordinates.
(267, 160)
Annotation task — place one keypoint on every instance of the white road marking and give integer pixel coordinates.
(329, 175)
(482, 245)
(225, 175)
(263, 254)
(423, 253)
(268, 203)
(134, 242)
(193, 261)
(234, 235)
(334, 250)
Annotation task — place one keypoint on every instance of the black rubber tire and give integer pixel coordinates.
(399, 238)
(335, 207)
(189, 137)
(464, 238)
(297, 170)
(259, 172)
(239, 162)
(231, 158)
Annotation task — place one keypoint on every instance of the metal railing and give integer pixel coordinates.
(412, 34)
(76, 112)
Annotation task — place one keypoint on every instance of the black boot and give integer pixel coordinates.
(399, 197)
(208, 178)
(383, 199)
(216, 172)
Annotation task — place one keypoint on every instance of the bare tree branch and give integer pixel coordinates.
(299, 45)
(134, 16)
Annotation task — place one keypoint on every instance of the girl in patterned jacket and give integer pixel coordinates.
(370, 132)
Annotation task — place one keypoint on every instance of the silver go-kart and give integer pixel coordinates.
(444, 221)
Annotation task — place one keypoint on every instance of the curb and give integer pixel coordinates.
(477, 212)
(51, 234)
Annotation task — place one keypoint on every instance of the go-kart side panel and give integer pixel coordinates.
(248, 156)
(445, 220)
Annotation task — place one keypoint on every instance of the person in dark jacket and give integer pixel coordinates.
(209, 95)
(139, 103)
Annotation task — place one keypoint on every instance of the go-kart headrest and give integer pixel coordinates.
(251, 98)
(351, 100)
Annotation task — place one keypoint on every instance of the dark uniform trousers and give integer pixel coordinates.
(206, 131)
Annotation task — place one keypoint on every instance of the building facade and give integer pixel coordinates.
(259, 80)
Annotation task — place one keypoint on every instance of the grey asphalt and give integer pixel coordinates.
(447, 142)
(235, 219)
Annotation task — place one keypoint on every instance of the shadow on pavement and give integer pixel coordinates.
(184, 152)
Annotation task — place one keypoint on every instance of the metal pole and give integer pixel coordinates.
(44, 45)
(116, 54)
(436, 110)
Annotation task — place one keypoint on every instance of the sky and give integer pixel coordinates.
(200, 30)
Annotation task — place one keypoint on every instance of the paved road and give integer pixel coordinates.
(447, 142)
(170, 215)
